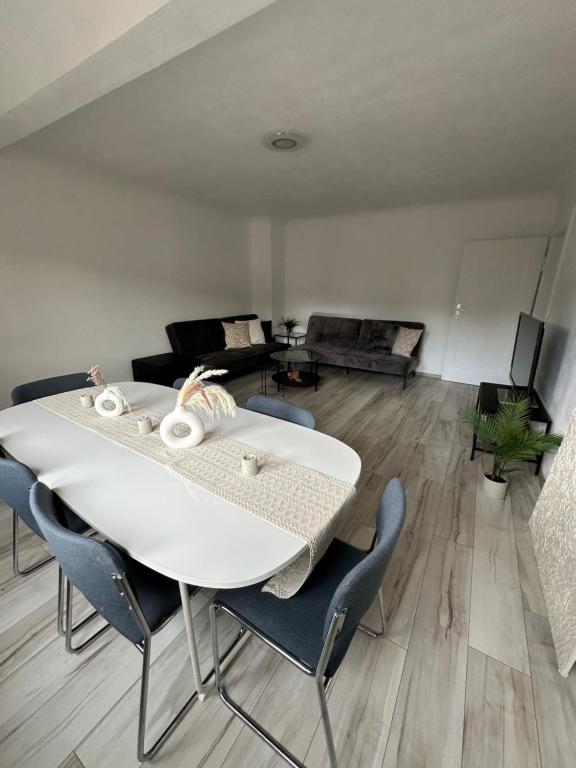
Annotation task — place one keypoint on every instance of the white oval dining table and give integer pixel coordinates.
(159, 518)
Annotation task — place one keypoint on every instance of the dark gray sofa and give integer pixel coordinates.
(201, 342)
(364, 344)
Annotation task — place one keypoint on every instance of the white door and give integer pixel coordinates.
(498, 280)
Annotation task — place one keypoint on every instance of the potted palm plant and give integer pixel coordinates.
(509, 438)
(289, 323)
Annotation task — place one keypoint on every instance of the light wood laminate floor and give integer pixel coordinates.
(465, 676)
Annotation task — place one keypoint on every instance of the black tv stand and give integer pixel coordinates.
(490, 397)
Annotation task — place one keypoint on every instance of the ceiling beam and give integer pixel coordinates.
(175, 27)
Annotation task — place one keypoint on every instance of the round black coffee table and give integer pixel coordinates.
(293, 375)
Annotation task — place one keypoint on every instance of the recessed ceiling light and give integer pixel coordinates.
(284, 141)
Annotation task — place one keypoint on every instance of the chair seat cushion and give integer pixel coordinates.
(297, 624)
(157, 595)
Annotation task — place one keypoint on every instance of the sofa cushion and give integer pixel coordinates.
(362, 359)
(326, 349)
(406, 340)
(193, 337)
(225, 358)
(377, 335)
(376, 361)
(233, 318)
(237, 335)
(190, 338)
(255, 331)
(239, 359)
(342, 331)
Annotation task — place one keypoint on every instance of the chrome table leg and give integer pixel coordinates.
(192, 647)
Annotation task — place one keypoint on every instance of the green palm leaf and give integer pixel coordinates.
(507, 434)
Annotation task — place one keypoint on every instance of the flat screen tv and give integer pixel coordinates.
(526, 352)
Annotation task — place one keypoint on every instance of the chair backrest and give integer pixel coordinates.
(16, 479)
(34, 390)
(179, 383)
(358, 589)
(87, 563)
(280, 409)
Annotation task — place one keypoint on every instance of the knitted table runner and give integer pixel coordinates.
(303, 501)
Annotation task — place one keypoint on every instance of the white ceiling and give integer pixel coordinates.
(58, 55)
(404, 102)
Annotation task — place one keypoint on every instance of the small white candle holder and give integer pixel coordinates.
(86, 400)
(145, 425)
(249, 465)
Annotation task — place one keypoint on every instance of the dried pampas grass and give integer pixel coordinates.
(95, 376)
(213, 400)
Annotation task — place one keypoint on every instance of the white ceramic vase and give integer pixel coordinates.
(182, 428)
(110, 402)
(494, 490)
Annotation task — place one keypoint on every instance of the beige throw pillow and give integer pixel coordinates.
(236, 334)
(255, 330)
(406, 340)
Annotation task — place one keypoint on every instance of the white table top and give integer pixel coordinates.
(158, 517)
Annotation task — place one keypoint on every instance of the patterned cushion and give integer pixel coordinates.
(237, 335)
(255, 330)
(406, 340)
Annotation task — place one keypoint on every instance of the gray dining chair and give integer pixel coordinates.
(314, 629)
(16, 480)
(55, 385)
(280, 409)
(179, 383)
(132, 598)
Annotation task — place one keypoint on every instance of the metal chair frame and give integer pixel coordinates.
(125, 591)
(65, 620)
(64, 617)
(18, 571)
(372, 632)
(144, 648)
(322, 683)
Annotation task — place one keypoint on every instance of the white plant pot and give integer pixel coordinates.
(494, 490)
(182, 429)
(110, 403)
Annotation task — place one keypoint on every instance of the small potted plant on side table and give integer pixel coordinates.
(509, 438)
(289, 323)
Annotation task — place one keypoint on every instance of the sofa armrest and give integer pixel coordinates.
(159, 369)
(267, 328)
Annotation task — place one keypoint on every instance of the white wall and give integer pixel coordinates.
(556, 381)
(398, 264)
(261, 265)
(92, 269)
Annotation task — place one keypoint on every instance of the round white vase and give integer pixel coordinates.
(110, 403)
(182, 429)
(494, 490)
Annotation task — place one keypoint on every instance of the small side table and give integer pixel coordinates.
(298, 337)
(488, 402)
(296, 357)
(271, 367)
